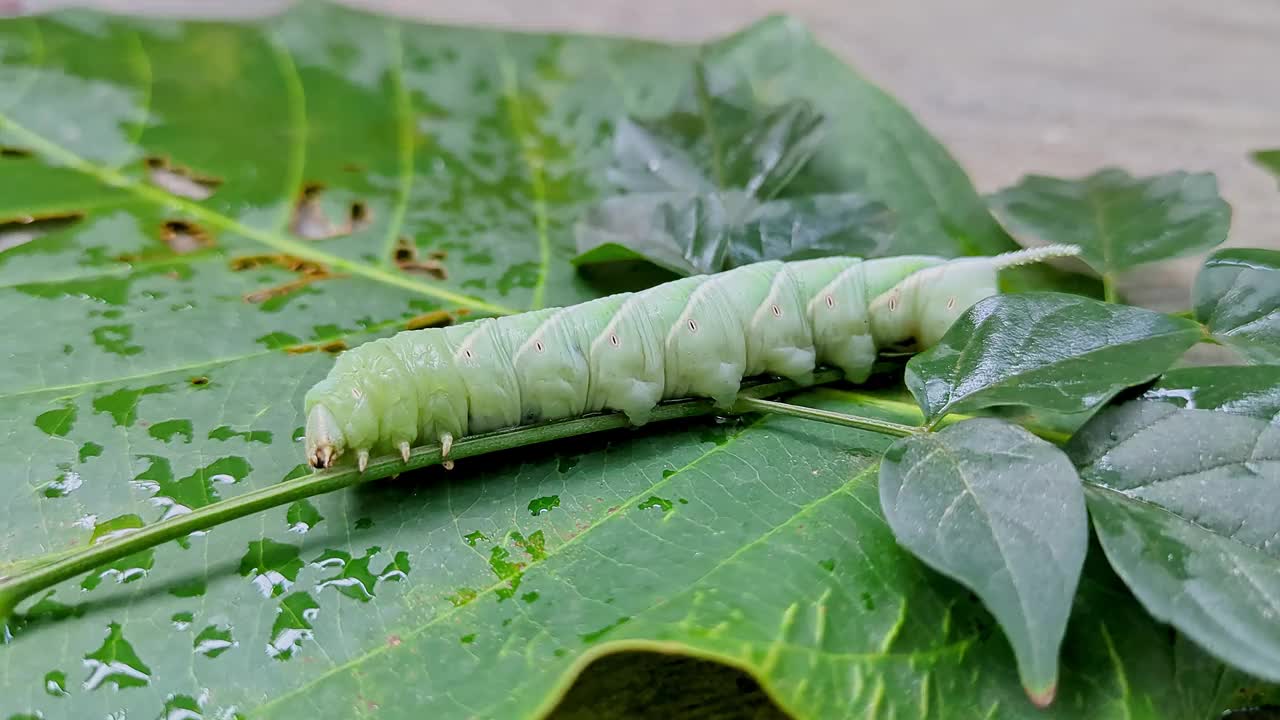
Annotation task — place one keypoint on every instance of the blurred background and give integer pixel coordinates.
(1009, 86)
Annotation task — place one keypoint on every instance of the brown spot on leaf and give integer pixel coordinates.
(292, 263)
(435, 318)
(438, 254)
(404, 252)
(265, 294)
(23, 229)
(333, 347)
(199, 380)
(8, 151)
(309, 270)
(312, 222)
(405, 255)
(394, 641)
(179, 180)
(184, 237)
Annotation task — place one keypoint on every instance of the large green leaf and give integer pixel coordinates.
(164, 318)
(1119, 221)
(1000, 510)
(1050, 351)
(1237, 296)
(1185, 496)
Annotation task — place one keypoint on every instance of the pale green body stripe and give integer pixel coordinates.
(692, 337)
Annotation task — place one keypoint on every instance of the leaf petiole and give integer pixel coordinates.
(750, 404)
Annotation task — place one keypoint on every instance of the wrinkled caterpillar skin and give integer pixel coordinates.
(694, 337)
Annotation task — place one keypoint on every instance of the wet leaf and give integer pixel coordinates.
(1118, 221)
(1185, 496)
(1049, 351)
(1001, 511)
(1237, 296)
(355, 132)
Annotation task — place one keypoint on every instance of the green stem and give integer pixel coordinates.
(1109, 288)
(15, 589)
(800, 411)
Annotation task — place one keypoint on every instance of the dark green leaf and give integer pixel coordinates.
(1118, 221)
(1237, 296)
(703, 233)
(735, 175)
(1049, 351)
(1207, 585)
(697, 188)
(1249, 390)
(1001, 511)
(1185, 495)
(1269, 159)
(723, 140)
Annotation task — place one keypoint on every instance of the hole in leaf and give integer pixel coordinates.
(25, 228)
(184, 237)
(359, 215)
(179, 180)
(312, 222)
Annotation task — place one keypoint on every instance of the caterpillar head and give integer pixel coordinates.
(340, 416)
(325, 441)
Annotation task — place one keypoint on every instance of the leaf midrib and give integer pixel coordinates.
(954, 376)
(269, 238)
(1125, 493)
(193, 366)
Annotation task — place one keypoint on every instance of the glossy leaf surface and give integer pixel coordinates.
(1186, 502)
(1049, 351)
(1237, 297)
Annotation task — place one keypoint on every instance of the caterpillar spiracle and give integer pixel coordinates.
(693, 337)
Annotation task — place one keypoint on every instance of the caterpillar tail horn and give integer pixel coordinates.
(1029, 256)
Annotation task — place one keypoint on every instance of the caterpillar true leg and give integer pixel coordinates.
(697, 336)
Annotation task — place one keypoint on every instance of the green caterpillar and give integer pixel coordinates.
(694, 337)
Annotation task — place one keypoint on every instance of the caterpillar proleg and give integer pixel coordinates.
(694, 337)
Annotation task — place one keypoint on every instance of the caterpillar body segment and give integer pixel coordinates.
(694, 337)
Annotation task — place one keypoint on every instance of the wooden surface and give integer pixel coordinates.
(1010, 86)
